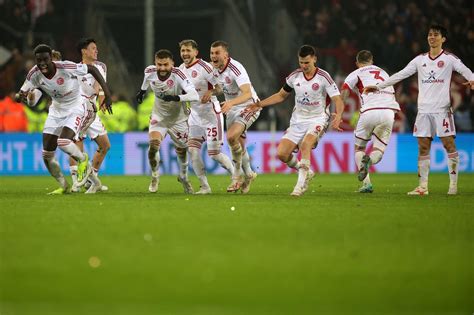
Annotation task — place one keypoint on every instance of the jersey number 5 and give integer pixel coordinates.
(376, 74)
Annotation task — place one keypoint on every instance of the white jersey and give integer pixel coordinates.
(434, 80)
(200, 73)
(64, 87)
(313, 95)
(90, 87)
(369, 76)
(230, 79)
(176, 84)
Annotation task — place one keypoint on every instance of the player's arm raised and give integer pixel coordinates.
(245, 96)
(100, 79)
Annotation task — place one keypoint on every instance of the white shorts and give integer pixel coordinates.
(177, 131)
(75, 119)
(297, 131)
(429, 125)
(207, 127)
(237, 115)
(95, 130)
(376, 123)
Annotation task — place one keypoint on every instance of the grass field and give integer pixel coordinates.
(332, 251)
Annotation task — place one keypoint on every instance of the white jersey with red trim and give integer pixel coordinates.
(64, 87)
(313, 95)
(434, 80)
(90, 87)
(201, 74)
(176, 84)
(369, 76)
(230, 79)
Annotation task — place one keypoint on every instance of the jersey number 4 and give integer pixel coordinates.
(376, 74)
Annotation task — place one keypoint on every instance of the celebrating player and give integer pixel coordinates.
(68, 111)
(239, 92)
(310, 118)
(87, 47)
(377, 114)
(205, 120)
(169, 115)
(435, 116)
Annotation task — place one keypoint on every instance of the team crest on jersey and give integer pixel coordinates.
(440, 64)
(60, 81)
(315, 86)
(227, 80)
(170, 83)
(194, 74)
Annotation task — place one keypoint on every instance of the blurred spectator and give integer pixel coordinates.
(12, 115)
(144, 111)
(37, 115)
(124, 117)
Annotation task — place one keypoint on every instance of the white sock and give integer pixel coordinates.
(73, 170)
(224, 161)
(453, 164)
(246, 163)
(237, 158)
(183, 164)
(302, 172)
(293, 162)
(53, 167)
(375, 156)
(198, 166)
(71, 149)
(423, 170)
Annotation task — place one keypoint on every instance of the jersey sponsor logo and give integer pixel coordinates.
(315, 86)
(170, 83)
(227, 80)
(432, 78)
(440, 64)
(194, 74)
(60, 81)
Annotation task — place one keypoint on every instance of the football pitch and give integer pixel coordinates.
(331, 251)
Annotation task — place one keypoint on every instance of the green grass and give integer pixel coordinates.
(331, 251)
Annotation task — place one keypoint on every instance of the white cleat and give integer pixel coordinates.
(104, 188)
(75, 189)
(93, 189)
(418, 191)
(95, 184)
(204, 191)
(309, 178)
(188, 188)
(297, 191)
(248, 179)
(155, 181)
(453, 190)
(234, 185)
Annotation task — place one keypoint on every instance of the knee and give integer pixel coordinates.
(233, 138)
(283, 156)
(180, 151)
(450, 146)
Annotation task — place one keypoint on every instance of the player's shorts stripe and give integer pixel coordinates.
(361, 138)
(219, 126)
(205, 66)
(451, 122)
(379, 139)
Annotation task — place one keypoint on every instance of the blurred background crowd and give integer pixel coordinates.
(395, 31)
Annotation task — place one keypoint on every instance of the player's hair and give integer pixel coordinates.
(56, 55)
(364, 56)
(83, 43)
(220, 43)
(163, 53)
(440, 28)
(306, 50)
(188, 42)
(42, 48)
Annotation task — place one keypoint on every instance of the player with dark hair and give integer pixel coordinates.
(67, 113)
(314, 89)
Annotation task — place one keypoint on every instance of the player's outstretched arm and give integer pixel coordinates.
(470, 83)
(100, 79)
(276, 98)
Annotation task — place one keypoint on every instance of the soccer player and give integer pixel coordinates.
(169, 115)
(377, 114)
(434, 117)
(239, 92)
(67, 113)
(87, 47)
(314, 89)
(205, 120)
